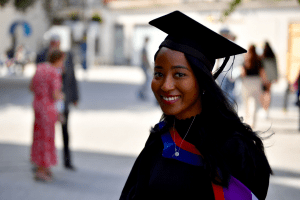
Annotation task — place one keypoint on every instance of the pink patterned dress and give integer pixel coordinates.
(45, 81)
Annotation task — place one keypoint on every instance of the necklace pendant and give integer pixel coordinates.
(176, 154)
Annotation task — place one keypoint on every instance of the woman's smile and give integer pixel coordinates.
(170, 99)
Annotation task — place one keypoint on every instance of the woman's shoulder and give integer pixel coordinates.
(236, 138)
(235, 147)
(43, 65)
(156, 132)
(46, 67)
(42, 69)
(243, 154)
(53, 72)
(239, 144)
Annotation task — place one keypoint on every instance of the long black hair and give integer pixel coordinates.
(220, 123)
(268, 52)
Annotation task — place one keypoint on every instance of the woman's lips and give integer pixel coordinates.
(169, 99)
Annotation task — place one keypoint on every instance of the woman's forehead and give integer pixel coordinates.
(172, 58)
(171, 53)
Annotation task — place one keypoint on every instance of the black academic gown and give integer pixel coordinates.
(156, 177)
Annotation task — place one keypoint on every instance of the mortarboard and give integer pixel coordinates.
(189, 36)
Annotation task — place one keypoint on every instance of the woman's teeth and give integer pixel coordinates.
(170, 98)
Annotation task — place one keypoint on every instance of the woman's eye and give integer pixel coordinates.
(179, 74)
(157, 74)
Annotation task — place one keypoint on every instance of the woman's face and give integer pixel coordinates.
(175, 86)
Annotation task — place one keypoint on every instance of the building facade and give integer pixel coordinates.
(253, 22)
(118, 38)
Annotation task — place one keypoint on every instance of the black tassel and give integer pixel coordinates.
(218, 72)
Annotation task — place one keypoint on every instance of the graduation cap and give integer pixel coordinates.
(189, 36)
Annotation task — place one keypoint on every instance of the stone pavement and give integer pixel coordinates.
(108, 130)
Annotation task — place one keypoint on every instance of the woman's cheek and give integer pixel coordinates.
(154, 85)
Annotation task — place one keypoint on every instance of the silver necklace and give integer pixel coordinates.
(177, 152)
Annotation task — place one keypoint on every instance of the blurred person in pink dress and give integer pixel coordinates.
(47, 88)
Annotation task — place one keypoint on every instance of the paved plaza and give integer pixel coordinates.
(108, 129)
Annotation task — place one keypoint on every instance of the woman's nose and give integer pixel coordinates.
(168, 84)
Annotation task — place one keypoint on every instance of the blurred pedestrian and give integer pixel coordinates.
(2, 62)
(286, 96)
(146, 67)
(232, 71)
(251, 84)
(53, 44)
(10, 55)
(10, 61)
(200, 149)
(270, 76)
(83, 50)
(46, 85)
(70, 91)
(295, 88)
(21, 58)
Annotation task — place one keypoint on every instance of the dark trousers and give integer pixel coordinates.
(67, 156)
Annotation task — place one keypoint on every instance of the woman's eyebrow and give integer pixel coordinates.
(180, 67)
(158, 67)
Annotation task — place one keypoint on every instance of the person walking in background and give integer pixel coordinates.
(83, 53)
(46, 85)
(10, 55)
(43, 54)
(10, 61)
(269, 64)
(21, 57)
(145, 65)
(295, 88)
(232, 71)
(251, 84)
(70, 91)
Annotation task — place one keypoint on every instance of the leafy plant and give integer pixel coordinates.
(97, 18)
(3, 2)
(22, 5)
(74, 16)
(57, 21)
(233, 5)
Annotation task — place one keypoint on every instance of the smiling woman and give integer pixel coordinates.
(200, 149)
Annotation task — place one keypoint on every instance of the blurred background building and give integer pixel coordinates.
(115, 29)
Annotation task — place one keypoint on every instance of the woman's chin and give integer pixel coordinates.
(169, 112)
